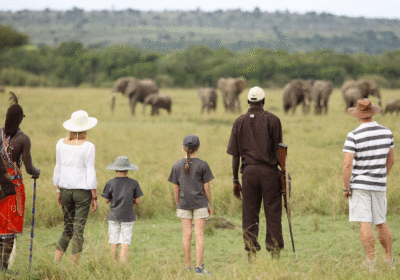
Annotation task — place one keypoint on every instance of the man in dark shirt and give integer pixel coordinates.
(254, 139)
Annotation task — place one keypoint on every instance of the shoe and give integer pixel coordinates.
(391, 264)
(201, 271)
(370, 265)
(188, 269)
(256, 247)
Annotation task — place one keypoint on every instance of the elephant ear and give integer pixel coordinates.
(132, 87)
(150, 85)
(221, 83)
(348, 84)
(240, 84)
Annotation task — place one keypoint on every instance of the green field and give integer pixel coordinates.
(328, 246)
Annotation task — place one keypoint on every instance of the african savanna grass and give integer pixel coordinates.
(327, 245)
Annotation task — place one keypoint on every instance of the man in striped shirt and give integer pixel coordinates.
(369, 156)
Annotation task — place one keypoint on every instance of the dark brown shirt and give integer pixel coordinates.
(255, 137)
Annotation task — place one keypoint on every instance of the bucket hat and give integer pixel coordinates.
(122, 163)
(364, 109)
(80, 121)
(255, 94)
(191, 141)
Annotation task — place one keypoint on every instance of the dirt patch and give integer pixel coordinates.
(220, 223)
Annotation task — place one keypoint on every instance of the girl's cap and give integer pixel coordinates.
(191, 142)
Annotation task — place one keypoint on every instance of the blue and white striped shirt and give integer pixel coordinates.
(370, 143)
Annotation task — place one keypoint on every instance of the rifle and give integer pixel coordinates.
(286, 185)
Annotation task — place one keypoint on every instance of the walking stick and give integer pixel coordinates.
(33, 223)
(286, 185)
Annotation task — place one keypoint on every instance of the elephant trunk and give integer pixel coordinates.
(112, 96)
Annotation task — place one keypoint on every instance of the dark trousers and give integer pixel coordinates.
(75, 206)
(261, 183)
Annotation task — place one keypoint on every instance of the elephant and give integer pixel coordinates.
(296, 92)
(392, 106)
(136, 90)
(208, 98)
(158, 101)
(320, 93)
(351, 95)
(366, 88)
(231, 88)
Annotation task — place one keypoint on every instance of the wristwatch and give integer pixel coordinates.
(235, 180)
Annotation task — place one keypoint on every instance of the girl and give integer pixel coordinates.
(191, 177)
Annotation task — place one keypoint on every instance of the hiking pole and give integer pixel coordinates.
(33, 223)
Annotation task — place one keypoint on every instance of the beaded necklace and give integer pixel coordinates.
(7, 147)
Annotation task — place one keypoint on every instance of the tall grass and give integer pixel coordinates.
(328, 246)
(154, 144)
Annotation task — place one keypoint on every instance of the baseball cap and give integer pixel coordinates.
(191, 141)
(255, 94)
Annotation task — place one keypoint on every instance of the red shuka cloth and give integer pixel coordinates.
(12, 209)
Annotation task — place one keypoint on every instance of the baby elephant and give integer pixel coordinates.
(208, 98)
(392, 106)
(158, 101)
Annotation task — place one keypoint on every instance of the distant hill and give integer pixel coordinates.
(235, 29)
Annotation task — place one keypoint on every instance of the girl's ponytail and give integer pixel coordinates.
(188, 153)
(191, 144)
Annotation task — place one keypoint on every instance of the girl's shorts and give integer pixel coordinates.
(200, 213)
(119, 232)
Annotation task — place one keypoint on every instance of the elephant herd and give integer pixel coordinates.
(296, 92)
(230, 89)
(145, 91)
(308, 92)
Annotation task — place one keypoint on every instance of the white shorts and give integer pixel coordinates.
(367, 206)
(200, 213)
(119, 232)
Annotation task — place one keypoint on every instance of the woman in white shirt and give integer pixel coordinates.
(75, 179)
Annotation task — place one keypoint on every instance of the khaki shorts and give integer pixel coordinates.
(200, 213)
(367, 206)
(119, 232)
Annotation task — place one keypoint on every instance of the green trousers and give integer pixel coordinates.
(75, 206)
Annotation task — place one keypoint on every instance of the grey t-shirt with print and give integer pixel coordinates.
(122, 192)
(191, 186)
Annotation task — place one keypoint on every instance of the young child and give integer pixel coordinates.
(191, 177)
(122, 193)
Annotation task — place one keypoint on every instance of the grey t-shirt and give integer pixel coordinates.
(122, 192)
(191, 186)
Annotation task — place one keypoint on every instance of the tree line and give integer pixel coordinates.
(73, 64)
(234, 29)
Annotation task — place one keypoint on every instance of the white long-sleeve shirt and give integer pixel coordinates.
(75, 166)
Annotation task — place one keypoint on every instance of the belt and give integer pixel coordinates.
(275, 166)
(16, 177)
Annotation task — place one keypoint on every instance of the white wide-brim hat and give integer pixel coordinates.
(122, 163)
(80, 121)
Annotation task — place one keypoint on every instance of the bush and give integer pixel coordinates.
(165, 81)
(334, 74)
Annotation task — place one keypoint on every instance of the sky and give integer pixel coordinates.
(353, 8)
